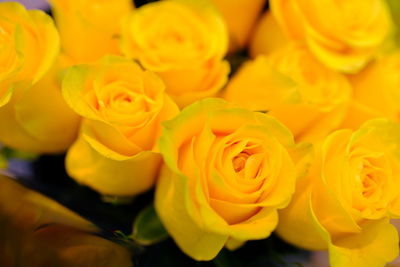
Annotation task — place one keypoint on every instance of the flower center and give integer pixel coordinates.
(369, 185)
(239, 161)
(371, 178)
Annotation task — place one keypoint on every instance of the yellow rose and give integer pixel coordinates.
(122, 106)
(239, 29)
(184, 42)
(310, 99)
(346, 202)
(17, 202)
(344, 35)
(227, 171)
(90, 29)
(38, 231)
(29, 44)
(39, 120)
(33, 114)
(267, 37)
(376, 92)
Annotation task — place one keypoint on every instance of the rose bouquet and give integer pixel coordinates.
(215, 123)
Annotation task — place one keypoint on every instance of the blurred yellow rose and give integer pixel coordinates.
(259, 86)
(376, 92)
(29, 44)
(184, 42)
(267, 37)
(344, 35)
(122, 106)
(90, 29)
(240, 17)
(310, 99)
(227, 171)
(346, 202)
(33, 114)
(39, 120)
(37, 231)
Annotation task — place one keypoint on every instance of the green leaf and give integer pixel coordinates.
(147, 228)
(394, 6)
(117, 200)
(3, 162)
(9, 153)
